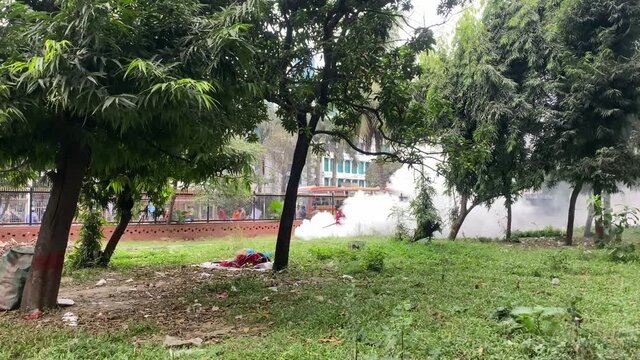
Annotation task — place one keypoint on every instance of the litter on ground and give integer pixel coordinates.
(70, 319)
(247, 259)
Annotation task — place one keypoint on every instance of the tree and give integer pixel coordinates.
(513, 96)
(379, 172)
(595, 70)
(453, 81)
(102, 83)
(322, 59)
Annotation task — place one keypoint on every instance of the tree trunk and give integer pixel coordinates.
(283, 182)
(125, 206)
(597, 191)
(281, 260)
(319, 177)
(43, 282)
(588, 224)
(572, 213)
(172, 202)
(462, 215)
(334, 170)
(509, 207)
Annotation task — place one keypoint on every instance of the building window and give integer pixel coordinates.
(361, 168)
(361, 183)
(347, 166)
(354, 167)
(340, 181)
(327, 181)
(326, 164)
(340, 168)
(331, 164)
(366, 167)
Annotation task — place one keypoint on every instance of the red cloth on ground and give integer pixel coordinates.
(242, 260)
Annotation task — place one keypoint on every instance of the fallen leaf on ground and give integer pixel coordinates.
(331, 340)
(101, 282)
(222, 296)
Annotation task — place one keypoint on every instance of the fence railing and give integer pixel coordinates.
(27, 206)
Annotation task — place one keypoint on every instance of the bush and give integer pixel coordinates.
(373, 260)
(399, 215)
(428, 220)
(622, 252)
(547, 232)
(87, 249)
(275, 209)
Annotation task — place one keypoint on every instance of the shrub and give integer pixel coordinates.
(87, 249)
(275, 209)
(622, 252)
(558, 261)
(428, 220)
(547, 232)
(537, 320)
(400, 214)
(373, 260)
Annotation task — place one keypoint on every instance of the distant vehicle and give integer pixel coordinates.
(326, 198)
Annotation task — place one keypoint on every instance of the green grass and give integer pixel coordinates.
(441, 296)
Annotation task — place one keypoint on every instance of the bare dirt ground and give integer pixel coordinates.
(160, 298)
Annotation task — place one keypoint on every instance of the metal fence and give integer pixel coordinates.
(27, 206)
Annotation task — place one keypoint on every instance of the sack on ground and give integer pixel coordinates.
(14, 268)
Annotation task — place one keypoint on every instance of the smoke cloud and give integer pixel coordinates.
(372, 214)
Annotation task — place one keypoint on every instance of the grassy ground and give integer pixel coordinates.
(434, 300)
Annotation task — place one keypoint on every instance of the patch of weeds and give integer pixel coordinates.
(547, 232)
(622, 253)
(538, 320)
(558, 262)
(373, 260)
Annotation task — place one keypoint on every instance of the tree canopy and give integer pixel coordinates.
(104, 85)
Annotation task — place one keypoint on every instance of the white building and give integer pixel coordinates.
(350, 171)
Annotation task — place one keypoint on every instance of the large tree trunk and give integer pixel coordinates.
(588, 224)
(43, 282)
(509, 206)
(281, 260)
(124, 205)
(572, 213)
(459, 220)
(172, 202)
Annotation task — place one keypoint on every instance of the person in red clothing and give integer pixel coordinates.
(222, 215)
(339, 215)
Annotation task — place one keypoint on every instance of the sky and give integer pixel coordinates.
(425, 14)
